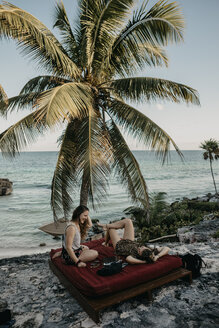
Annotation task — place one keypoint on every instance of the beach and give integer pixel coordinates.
(37, 299)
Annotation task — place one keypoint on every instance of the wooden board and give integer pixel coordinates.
(93, 305)
(55, 228)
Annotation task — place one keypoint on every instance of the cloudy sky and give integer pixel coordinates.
(194, 62)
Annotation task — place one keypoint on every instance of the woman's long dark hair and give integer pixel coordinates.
(76, 216)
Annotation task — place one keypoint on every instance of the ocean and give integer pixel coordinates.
(28, 207)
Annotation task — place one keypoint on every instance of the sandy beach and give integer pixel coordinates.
(37, 299)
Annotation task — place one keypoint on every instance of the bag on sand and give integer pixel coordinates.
(111, 266)
(192, 263)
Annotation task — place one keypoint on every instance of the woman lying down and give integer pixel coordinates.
(134, 253)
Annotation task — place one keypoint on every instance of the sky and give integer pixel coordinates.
(193, 62)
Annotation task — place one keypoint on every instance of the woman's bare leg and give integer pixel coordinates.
(106, 238)
(57, 254)
(88, 255)
(125, 224)
(114, 237)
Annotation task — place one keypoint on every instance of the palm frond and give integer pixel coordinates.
(42, 83)
(142, 128)
(19, 135)
(162, 24)
(3, 102)
(126, 165)
(36, 40)
(3, 96)
(95, 156)
(18, 102)
(67, 36)
(65, 178)
(64, 102)
(142, 89)
(102, 20)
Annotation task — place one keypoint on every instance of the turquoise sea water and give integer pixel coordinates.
(28, 207)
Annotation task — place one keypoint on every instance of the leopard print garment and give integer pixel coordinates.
(126, 247)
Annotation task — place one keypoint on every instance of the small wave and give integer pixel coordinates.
(47, 186)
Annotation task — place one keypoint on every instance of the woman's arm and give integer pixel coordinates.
(162, 251)
(131, 260)
(89, 222)
(70, 234)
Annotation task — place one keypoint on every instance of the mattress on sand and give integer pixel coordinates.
(91, 284)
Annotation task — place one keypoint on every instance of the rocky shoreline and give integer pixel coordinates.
(37, 299)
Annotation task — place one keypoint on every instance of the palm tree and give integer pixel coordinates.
(91, 75)
(211, 148)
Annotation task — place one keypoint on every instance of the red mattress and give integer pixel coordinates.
(91, 284)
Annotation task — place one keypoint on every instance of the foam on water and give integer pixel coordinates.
(28, 207)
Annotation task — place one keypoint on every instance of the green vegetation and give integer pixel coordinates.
(164, 219)
(211, 148)
(92, 74)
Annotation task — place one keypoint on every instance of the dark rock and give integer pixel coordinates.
(200, 232)
(5, 187)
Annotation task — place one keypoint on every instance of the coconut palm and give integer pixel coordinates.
(90, 76)
(211, 148)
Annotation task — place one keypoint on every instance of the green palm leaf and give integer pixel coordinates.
(18, 102)
(3, 101)
(102, 17)
(94, 156)
(65, 175)
(68, 38)
(126, 165)
(35, 39)
(64, 102)
(142, 128)
(148, 88)
(3, 96)
(19, 135)
(42, 83)
(162, 24)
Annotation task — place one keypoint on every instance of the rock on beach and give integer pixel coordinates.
(37, 299)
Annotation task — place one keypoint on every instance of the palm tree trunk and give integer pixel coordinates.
(213, 176)
(84, 191)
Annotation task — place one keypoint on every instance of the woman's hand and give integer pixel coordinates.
(82, 265)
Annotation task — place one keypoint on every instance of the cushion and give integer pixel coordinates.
(91, 284)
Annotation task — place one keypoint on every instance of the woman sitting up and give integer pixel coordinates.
(127, 247)
(72, 251)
